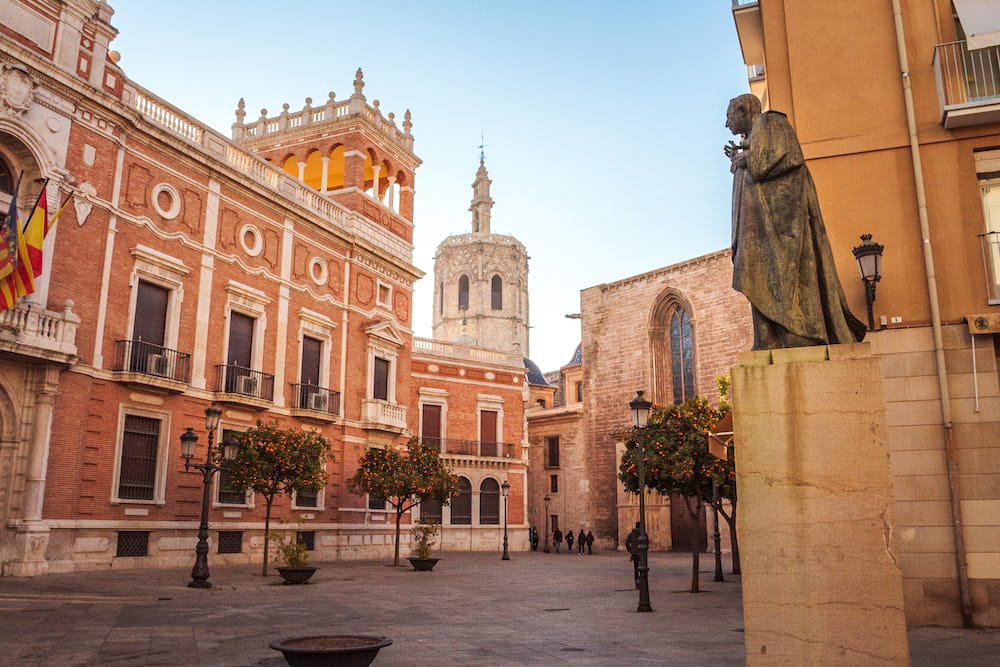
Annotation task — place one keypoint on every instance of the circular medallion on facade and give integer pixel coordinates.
(461, 371)
(433, 368)
(318, 271)
(166, 201)
(251, 240)
(490, 376)
(516, 379)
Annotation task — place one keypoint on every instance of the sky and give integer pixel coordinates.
(603, 122)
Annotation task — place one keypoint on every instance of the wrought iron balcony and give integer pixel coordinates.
(139, 361)
(376, 413)
(244, 385)
(313, 398)
(968, 84)
(472, 447)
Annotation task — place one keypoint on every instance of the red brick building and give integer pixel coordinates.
(191, 269)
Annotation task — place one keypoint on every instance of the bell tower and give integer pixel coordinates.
(481, 282)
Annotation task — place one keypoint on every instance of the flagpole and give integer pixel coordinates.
(37, 199)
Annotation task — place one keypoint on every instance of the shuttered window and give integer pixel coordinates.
(488, 433)
(430, 424)
(311, 351)
(240, 339)
(489, 502)
(380, 390)
(461, 505)
(140, 440)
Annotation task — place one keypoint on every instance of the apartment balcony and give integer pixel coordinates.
(750, 30)
(968, 84)
(139, 362)
(311, 401)
(383, 415)
(454, 446)
(236, 384)
(31, 331)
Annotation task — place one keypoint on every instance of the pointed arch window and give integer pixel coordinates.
(496, 301)
(463, 293)
(681, 356)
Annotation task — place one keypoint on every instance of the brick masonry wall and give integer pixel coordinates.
(618, 357)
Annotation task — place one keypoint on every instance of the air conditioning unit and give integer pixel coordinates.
(158, 364)
(246, 384)
(317, 401)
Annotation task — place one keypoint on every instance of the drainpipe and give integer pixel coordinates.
(932, 294)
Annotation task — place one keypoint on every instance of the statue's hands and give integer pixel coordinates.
(730, 150)
(737, 155)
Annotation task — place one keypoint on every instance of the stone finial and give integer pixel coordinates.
(284, 107)
(406, 122)
(241, 111)
(263, 114)
(375, 104)
(392, 118)
(307, 111)
(331, 97)
(359, 82)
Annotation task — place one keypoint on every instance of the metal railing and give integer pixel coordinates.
(314, 397)
(967, 77)
(138, 356)
(235, 379)
(472, 447)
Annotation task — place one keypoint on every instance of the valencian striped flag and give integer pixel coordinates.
(8, 251)
(29, 243)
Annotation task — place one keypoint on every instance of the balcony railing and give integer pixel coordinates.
(240, 381)
(316, 398)
(30, 330)
(968, 84)
(382, 413)
(138, 356)
(472, 447)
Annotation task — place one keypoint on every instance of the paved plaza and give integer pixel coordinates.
(472, 609)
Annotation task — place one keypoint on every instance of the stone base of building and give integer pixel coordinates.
(45, 549)
(822, 582)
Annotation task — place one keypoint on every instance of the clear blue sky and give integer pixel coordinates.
(604, 122)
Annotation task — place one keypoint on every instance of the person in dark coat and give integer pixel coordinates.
(581, 541)
(557, 539)
(632, 546)
(569, 542)
(533, 538)
(590, 543)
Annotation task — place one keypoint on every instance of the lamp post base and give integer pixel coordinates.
(643, 544)
(197, 583)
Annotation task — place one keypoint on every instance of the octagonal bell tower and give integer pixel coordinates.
(481, 282)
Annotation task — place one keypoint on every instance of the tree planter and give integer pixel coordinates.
(423, 564)
(330, 650)
(296, 575)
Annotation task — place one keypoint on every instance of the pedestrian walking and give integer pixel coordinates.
(534, 538)
(557, 539)
(581, 541)
(590, 543)
(632, 546)
(569, 542)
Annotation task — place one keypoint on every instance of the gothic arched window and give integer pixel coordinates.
(497, 293)
(681, 356)
(463, 293)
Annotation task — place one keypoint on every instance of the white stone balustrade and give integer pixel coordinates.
(383, 413)
(30, 330)
(467, 352)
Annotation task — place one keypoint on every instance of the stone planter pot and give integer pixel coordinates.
(423, 564)
(330, 650)
(296, 575)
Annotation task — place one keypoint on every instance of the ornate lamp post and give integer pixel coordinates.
(505, 489)
(640, 417)
(869, 256)
(213, 463)
(546, 499)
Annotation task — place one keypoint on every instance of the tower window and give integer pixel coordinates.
(497, 293)
(463, 293)
(681, 356)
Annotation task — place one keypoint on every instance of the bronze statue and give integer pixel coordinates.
(781, 256)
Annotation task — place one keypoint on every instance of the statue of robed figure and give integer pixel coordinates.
(781, 255)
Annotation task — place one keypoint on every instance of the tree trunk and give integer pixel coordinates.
(399, 518)
(267, 533)
(696, 529)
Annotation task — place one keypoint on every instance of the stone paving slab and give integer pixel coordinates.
(472, 609)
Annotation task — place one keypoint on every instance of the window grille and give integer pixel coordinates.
(132, 543)
(137, 477)
(230, 541)
(489, 502)
(430, 509)
(304, 498)
(306, 537)
(376, 502)
(461, 505)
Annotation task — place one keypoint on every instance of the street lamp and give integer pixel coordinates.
(640, 417)
(213, 463)
(546, 499)
(869, 256)
(505, 489)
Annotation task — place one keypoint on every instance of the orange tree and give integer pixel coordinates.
(273, 460)
(678, 461)
(404, 479)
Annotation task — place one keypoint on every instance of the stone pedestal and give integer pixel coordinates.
(822, 582)
(30, 542)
